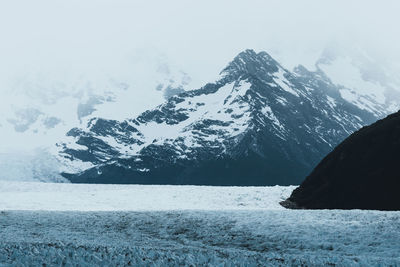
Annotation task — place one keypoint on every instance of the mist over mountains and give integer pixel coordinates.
(59, 74)
(254, 107)
(165, 133)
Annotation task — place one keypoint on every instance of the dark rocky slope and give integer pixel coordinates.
(363, 172)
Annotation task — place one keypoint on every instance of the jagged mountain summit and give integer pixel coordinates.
(360, 173)
(258, 124)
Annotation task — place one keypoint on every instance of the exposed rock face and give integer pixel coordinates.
(363, 172)
(258, 124)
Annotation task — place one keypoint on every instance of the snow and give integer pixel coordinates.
(29, 98)
(205, 106)
(87, 197)
(86, 225)
(72, 144)
(210, 104)
(282, 100)
(342, 71)
(198, 108)
(375, 95)
(280, 79)
(331, 102)
(270, 114)
(36, 165)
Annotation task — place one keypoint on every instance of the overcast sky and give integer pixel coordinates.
(104, 36)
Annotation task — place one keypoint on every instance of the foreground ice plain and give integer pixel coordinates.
(182, 225)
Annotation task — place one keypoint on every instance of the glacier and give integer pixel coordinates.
(138, 225)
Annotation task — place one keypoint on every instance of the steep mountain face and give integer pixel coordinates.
(258, 124)
(361, 173)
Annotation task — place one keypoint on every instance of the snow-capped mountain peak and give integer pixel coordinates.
(250, 62)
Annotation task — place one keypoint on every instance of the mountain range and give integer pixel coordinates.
(257, 124)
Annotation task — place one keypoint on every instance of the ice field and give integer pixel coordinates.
(71, 225)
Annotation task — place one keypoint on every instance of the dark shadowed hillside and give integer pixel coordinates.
(363, 172)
